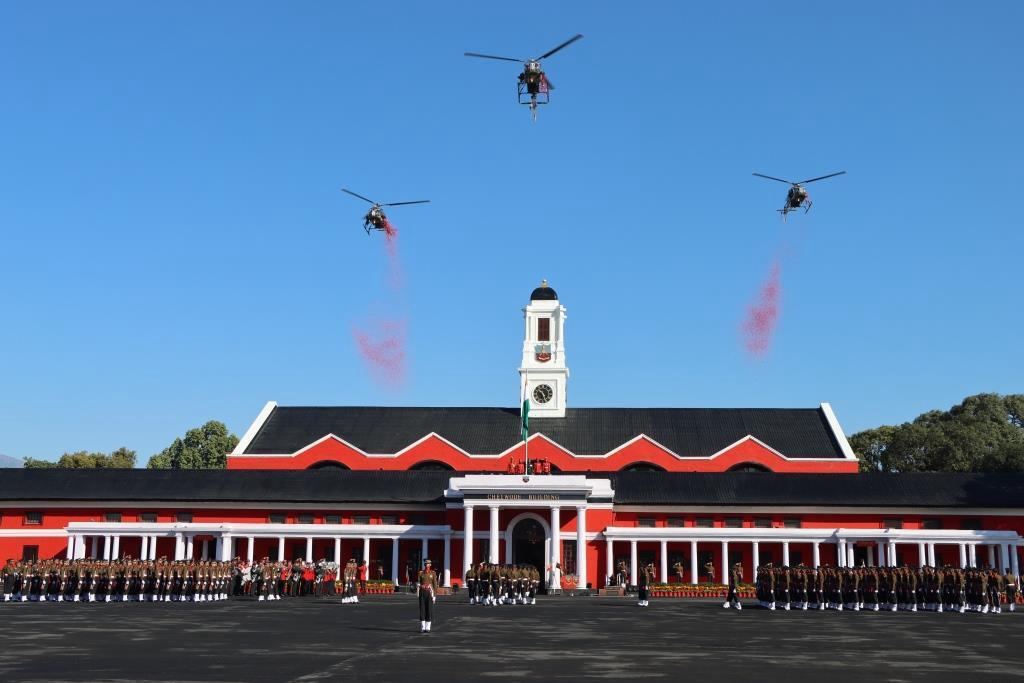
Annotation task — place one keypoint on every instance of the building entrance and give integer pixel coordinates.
(528, 544)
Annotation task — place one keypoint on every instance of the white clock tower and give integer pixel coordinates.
(543, 375)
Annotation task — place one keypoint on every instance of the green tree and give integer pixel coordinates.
(121, 458)
(984, 433)
(202, 448)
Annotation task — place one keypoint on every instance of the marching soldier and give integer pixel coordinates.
(735, 579)
(426, 589)
(1012, 582)
(471, 584)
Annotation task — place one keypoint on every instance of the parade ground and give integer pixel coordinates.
(558, 639)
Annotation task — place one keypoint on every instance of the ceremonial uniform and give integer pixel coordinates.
(643, 584)
(426, 591)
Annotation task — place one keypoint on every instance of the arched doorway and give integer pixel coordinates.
(528, 543)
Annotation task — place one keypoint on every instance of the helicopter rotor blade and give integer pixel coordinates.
(761, 175)
(358, 195)
(504, 59)
(830, 175)
(565, 44)
(418, 201)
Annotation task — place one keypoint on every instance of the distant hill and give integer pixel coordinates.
(8, 461)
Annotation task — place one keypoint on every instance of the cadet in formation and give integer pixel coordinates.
(426, 591)
(502, 584)
(911, 589)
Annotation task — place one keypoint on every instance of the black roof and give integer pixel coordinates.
(543, 293)
(631, 488)
(691, 432)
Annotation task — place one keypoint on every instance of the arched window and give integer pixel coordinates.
(432, 466)
(642, 467)
(328, 465)
(749, 467)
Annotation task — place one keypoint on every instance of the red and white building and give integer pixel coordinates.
(590, 487)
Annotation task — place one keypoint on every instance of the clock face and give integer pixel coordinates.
(542, 393)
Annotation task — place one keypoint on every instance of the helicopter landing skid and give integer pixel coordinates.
(532, 100)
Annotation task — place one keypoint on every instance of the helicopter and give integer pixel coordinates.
(534, 86)
(375, 218)
(797, 196)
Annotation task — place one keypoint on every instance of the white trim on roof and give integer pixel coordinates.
(254, 428)
(837, 431)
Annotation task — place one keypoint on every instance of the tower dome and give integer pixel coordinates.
(543, 293)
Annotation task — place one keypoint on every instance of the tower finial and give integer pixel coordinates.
(544, 282)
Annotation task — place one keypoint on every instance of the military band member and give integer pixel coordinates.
(426, 589)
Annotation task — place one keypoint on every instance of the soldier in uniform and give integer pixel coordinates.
(471, 584)
(1012, 582)
(644, 577)
(735, 579)
(426, 591)
(709, 571)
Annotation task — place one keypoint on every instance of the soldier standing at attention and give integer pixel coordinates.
(426, 587)
(1012, 586)
(643, 582)
(709, 571)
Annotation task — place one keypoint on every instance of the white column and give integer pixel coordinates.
(663, 577)
(95, 551)
(280, 548)
(79, 547)
(425, 551)
(250, 550)
(785, 553)
(725, 559)
(609, 560)
(71, 548)
(206, 549)
(883, 560)
(931, 554)
(972, 554)
(632, 564)
(218, 548)
(116, 552)
(309, 548)
(922, 554)
(1014, 562)
(143, 547)
(366, 553)
(963, 555)
(841, 553)
(190, 546)
(991, 555)
(816, 554)
(467, 539)
(153, 549)
(493, 550)
(394, 561)
(1004, 557)
(892, 555)
(337, 550)
(755, 552)
(556, 536)
(447, 560)
(871, 556)
(581, 545)
(849, 554)
(693, 562)
(226, 547)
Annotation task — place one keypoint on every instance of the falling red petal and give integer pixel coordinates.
(384, 351)
(763, 315)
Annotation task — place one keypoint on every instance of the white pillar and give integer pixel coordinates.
(991, 555)
(190, 547)
(1014, 562)
(206, 549)
(849, 554)
(1004, 557)
(425, 551)
(922, 554)
(632, 564)
(492, 551)
(447, 560)
(725, 560)
(143, 547)
(755, 552)
(366, 553)
(467, 539)
(931, 554)
(892, 555)
(581, 546)
(280, 548)
(218, 548)
(79, 547)
(250, 550)
(785, 553)
(693, 562)
(95, 551)
(71, 548)
(556, 537)
(337, 550)
(883, 560)
(963, 555)
(816, 554)
(226, 547)
(840, 553)
(309, 548)
(394, 561)
(116, 552)
(609, 560)
(663, 576)
(972, 554)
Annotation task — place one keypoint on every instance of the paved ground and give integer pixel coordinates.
(558, 639)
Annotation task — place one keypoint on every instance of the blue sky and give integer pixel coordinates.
(174, 248)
